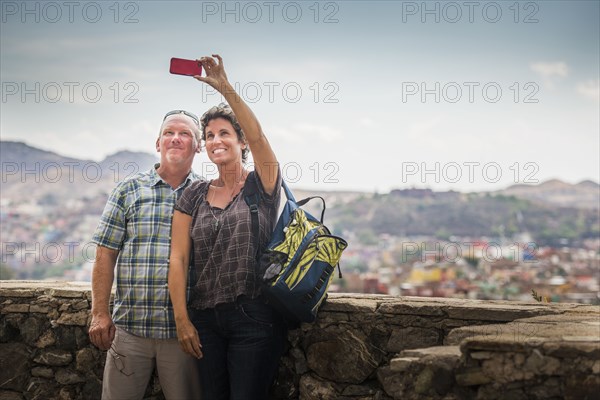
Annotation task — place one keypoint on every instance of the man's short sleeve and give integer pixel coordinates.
(112, 227)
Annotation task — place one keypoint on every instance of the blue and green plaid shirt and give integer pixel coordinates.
(137, 222)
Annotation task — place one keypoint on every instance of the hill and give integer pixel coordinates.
(445, 214)
(552, 212)
(585, 194)
(28, 172)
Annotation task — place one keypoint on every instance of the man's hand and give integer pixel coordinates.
(102, 331)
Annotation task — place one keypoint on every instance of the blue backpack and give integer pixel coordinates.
(296, 267)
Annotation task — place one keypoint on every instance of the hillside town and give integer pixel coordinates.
(474, 268)
(43, 241)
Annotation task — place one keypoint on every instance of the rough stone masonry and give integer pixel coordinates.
(360, 347)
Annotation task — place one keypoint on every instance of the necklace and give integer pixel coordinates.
(215, 225)
(217, 221)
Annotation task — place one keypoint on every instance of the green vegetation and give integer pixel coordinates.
(5, 272)
(539, 297)
(445, 214)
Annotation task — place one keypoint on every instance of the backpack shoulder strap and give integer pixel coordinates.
(252, 198)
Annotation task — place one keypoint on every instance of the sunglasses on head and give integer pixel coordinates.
(189, 114)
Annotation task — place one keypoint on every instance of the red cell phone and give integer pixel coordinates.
(181, 66)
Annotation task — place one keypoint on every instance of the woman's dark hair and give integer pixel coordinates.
(224, 111)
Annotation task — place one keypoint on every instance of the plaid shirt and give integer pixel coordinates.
(137, 222)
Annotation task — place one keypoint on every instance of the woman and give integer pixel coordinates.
(236, 337)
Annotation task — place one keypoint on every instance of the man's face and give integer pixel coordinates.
(177, 144)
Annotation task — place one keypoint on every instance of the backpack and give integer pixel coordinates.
(297, 265)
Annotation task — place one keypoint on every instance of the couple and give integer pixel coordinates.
(225, 342)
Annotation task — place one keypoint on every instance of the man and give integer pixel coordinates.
(135, 229)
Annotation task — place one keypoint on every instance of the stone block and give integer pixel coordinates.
(42, 372)
(537, 363)
(91, 389)
(8, 331)
(342, 356)
(393, 383)
(41, 388)
(360, 390)
(31, 329)
(78, 318)
(54, 357)
(411, 309)
(68, 377)
(299, 359)
(424, 381)
(81, 337)
(47, 339)
(85, 359)
(68, 393)
(17, 293)
(14, 373)
(349, 305)
(481, 355)
(313, 388)
(412, 338)
(70, 337)
(472, 377)
(596, 367)
(10, 395)
(39, 309)
(400, 364)
(44, 298)
(490, 311)
(80, 305)
(452, 353)
(67, 293)
(15, 308)
(581, 387)
(546, 389)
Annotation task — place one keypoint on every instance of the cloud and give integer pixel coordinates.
(549, 70)
(285, 134)
(368, 123)
(305, 133)
(323, 132)
(589, 89)
(424, 128)
(51, 46)
(283, 72)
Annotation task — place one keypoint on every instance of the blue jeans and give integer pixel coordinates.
(242, 343)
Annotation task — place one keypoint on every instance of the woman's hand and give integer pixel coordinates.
(215, 72)
(188, 338)
(262, 153)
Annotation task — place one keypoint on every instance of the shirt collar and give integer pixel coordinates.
(155, 177)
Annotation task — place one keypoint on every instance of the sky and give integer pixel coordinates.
(353, 95)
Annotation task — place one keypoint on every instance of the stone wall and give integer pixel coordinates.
(361, 347)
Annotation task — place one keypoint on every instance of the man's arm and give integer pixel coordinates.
(102, 329)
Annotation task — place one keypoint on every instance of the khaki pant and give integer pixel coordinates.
(130, 363)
